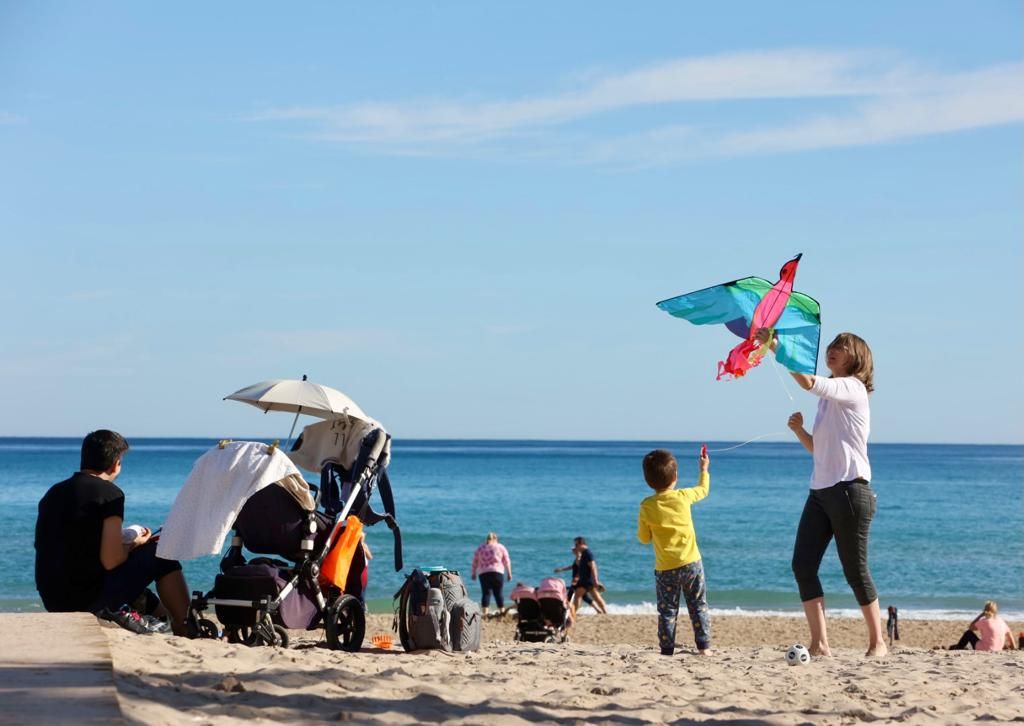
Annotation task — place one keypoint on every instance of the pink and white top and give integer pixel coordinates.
(490, 557)
(992, 633)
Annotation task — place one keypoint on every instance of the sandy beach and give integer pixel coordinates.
(610, 672)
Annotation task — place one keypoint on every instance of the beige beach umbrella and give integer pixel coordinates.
(299, 397)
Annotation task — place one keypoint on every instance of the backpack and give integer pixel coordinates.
(435, 612)
(464, 625)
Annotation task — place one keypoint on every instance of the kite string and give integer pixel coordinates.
(785, 388)
(775, 367)
(756, 438)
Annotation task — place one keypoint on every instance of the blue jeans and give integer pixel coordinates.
(688, 580)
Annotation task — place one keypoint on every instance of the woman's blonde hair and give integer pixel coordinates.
(990, 609)
(491, 537)
(862, 364)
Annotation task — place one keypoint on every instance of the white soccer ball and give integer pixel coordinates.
(797, 655)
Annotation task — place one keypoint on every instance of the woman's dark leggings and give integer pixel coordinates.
(969, 638)
(492, 582)
(843, 511)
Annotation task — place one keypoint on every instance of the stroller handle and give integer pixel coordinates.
(379, 442)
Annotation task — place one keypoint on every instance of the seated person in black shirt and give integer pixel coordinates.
(82, 565)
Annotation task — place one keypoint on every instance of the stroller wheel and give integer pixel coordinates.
(240, 634)
(265, 634)
(280, 637)
(345, 624)
(207, 628)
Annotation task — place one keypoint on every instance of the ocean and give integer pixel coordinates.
(948, 535)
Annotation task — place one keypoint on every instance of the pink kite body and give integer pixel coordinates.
(749, 353)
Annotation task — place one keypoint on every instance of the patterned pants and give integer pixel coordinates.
(689, 580)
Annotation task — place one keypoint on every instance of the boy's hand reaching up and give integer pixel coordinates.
(704, 460)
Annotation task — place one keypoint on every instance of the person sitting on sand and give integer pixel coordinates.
(587, 581)
(665, 520)
(988, 631)
(84, 561)
(491, 561)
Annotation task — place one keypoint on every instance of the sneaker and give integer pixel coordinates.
(156, 625)
(131, 620)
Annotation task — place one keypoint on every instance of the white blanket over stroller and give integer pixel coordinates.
(221, 481)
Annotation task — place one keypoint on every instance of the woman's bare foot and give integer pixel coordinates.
(820, 651)
(877, 651)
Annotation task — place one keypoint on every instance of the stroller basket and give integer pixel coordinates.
(248, 584)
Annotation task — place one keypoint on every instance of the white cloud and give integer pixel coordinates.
(883, 98)
(987, 98)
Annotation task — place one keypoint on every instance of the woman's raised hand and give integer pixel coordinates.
(796, 422)
(767, 335)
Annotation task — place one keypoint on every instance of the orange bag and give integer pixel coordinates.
(338, 561)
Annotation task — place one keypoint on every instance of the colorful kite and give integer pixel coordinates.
(744, 306)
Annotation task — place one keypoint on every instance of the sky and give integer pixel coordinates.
(462, 214)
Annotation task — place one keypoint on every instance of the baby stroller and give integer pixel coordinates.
(322, 581)
(543, 614)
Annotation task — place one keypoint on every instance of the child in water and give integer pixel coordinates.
(666, 521)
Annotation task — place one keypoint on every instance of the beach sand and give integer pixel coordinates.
(610, 672)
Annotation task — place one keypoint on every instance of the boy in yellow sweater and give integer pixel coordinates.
(666, 521)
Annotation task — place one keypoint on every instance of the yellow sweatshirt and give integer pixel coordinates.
(665, 519)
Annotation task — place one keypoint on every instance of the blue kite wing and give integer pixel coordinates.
(732, 304)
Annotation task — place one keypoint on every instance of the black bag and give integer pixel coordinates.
(435, 612)
(421, 619)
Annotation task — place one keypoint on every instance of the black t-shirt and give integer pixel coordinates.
(69, 574)
(586, 574)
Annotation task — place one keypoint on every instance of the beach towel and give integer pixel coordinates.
(221, 481)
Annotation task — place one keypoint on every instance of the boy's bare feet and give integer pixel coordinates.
(820, 651)
(878, 651)
(706, 651)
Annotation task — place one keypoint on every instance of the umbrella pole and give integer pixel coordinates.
(288, 446)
